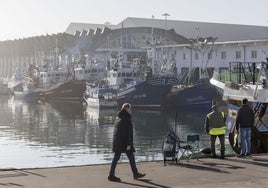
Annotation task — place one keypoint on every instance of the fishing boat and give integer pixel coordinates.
(246, 80)
(147, 85)
(97, 97)
(194, 90)
(63, 84)
(102, 93)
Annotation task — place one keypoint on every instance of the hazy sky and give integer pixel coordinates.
(26, 18)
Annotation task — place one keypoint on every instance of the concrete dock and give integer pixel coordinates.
(205, 173)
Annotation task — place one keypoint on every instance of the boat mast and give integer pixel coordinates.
(153, 52)
(203, 46)
(121, 54)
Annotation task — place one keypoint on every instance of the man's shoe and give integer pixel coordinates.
(240, 156)
(114, 178)
(138, 175)
(248, 155)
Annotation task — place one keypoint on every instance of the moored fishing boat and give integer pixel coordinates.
(194, 90)
(70, 84)
(148, 84)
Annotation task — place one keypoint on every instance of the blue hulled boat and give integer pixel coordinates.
(198, 96)
(151, 93)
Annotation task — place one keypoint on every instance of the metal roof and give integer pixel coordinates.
(188, 29)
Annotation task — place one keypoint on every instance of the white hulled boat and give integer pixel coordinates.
(246, 80)
(28, 91)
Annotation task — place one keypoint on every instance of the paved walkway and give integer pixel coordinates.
(205, 173)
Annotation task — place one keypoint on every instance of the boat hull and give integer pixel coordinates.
(33, 95)
(147, 94)
(70, 90)
(196, 96)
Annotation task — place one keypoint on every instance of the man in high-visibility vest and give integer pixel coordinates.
(216, 127)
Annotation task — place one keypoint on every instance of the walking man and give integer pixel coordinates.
(244, 122)
(215, 127)
(123, 142)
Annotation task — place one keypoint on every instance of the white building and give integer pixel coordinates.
(217, 56)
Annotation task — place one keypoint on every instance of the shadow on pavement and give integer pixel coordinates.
(208, 166)
(151, 184)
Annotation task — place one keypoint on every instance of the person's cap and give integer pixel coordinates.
(244, 101)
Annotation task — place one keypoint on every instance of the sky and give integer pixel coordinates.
(28, 18)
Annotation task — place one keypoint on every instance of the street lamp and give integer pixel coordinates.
(166, 15)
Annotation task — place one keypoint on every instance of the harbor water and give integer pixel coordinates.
(36, 134)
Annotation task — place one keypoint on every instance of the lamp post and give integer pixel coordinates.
(166, 15)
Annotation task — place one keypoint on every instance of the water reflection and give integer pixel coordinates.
(68, 109)
(34, 134)
(189, 122)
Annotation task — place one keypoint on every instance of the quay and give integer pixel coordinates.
(205, 173)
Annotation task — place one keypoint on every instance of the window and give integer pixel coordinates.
(184, 56)
(223, 55)
(238, 54)
(210, 55)
(253, 54)
(196, 56)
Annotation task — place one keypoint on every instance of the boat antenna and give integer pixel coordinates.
(176, 119)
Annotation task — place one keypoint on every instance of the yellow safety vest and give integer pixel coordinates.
(219, 130)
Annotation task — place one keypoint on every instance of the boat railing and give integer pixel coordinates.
(222, 77)
(231, 77)
(217, 76)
